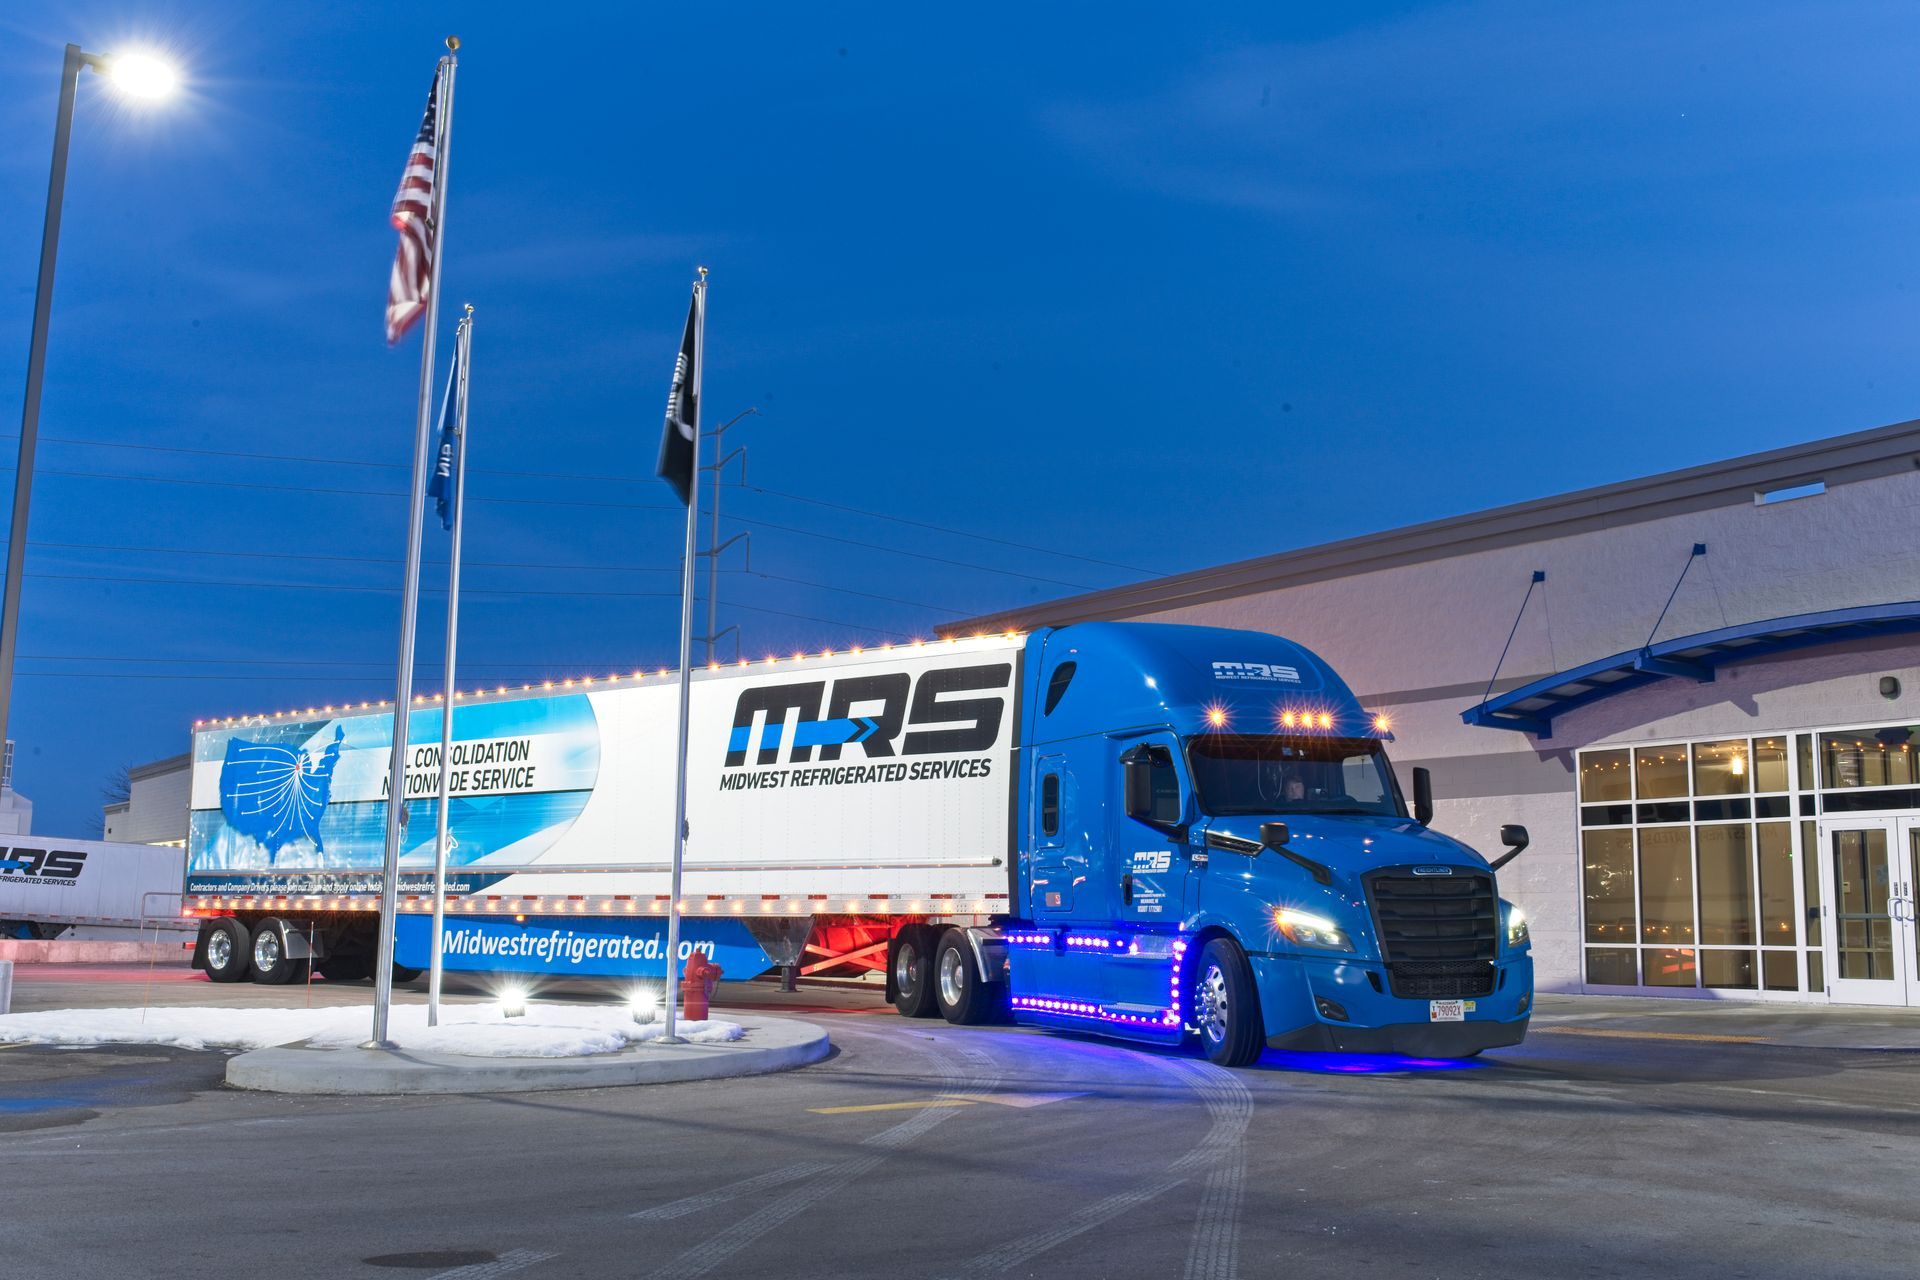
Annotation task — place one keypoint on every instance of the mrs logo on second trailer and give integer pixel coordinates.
(887, 715)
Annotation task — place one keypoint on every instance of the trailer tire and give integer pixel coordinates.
(1226, 1005)
(346, 968)
(272, 966)
(911, 967)
(226, 950)
(403, 974)
(963, 999)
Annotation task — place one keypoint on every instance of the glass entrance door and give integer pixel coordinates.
(1868, 869)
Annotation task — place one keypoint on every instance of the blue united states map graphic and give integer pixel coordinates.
(275, 793)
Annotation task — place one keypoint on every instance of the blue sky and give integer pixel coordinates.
(1156, 289)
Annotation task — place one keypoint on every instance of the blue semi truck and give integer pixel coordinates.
(1160, 833)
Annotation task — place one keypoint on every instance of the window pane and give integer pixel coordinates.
(1612, 966)
(1780, 970)
(1770, 764)
(1669, 968)
(1726, 885)
(1604, 776)
(1776, 884)
(1666, 887)
(1810, 880)
(1660, 772)
(1720, 768)
(1803, 745)
(1727, 970)
(1608, 859)
(1816, 973)
(1867, 758)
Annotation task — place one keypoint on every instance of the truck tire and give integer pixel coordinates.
(912, 968)
(229, 945)
(1226, 1006)
(403, 974)
(272, 965)
(964, 1000)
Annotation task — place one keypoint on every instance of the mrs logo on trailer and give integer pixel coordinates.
(885, 715)
(41, 866)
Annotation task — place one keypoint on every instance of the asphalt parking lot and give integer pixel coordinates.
(1615, 1141)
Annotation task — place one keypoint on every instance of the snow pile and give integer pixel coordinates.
(474, 1030)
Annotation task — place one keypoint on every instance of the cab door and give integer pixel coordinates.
(1147, 863)
(1146, 851)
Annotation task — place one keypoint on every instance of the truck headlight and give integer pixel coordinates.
(1517, 935)
(1305, 929)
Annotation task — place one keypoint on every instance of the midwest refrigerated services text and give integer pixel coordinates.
(854, 775)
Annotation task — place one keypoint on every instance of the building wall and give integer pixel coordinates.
(155, 811)
(1420, 640)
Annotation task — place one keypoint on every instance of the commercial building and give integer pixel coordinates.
(1706, 709)
(155, 810)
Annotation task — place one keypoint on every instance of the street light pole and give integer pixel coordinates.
(36, 376)
(148, 78)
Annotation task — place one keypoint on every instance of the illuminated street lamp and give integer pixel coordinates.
(138, 75)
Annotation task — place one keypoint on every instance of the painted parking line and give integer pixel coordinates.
(919, 1105)
(1022, 1101)
(1612, 1033)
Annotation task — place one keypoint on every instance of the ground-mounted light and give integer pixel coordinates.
(513, 1002)
(644, 1005)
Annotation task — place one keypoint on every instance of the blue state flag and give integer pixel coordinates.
(444, 487)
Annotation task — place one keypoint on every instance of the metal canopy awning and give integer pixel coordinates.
(1532, 707)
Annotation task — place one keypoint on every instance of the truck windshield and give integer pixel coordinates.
(1239, 773)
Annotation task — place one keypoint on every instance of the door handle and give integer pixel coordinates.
(1126, 888)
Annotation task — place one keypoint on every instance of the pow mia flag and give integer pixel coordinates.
(683, 409)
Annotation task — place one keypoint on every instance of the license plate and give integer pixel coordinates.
(1446, 1011)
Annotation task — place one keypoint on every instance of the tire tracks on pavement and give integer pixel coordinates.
(821, 1183)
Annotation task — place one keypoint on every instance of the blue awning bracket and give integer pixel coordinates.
(1532, 707)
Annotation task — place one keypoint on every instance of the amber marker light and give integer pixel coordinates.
(1382, 723)
(1216, 716)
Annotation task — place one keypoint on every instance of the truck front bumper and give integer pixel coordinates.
(1347, 1006)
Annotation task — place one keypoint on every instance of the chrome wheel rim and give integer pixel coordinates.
(1211, 1010)
(906, 967)
(266, 951)
(219, 949)
(953, 978)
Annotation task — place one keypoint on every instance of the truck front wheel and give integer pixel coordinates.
(963, 999)
(228, 945)
(913, 972)
(1226, 1006)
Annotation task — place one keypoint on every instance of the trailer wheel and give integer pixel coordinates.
(963, 999)
(346, 968)
(403, 974)
(1226, 1006)
(271, 963)
(227, 946)
(912, 969)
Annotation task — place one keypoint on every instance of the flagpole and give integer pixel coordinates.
(463, 345)
(410, 592)
(686, 672)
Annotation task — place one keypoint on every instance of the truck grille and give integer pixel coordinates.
(1438, 934)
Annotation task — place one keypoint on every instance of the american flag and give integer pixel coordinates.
(412, 277)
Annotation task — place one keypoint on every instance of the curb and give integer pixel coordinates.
(769, 1045)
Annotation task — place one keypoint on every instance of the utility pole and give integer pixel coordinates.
(714, 546)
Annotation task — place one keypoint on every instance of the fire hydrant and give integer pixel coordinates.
(696, 988)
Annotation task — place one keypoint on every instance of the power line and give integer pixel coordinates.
(589, 477)
(566, 502)
(484, 564)
(511, 595)
(940, 528)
